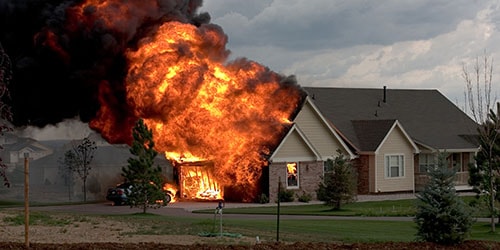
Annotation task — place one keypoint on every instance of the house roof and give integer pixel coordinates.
(371, 132)
(427, 116)
(23, 143)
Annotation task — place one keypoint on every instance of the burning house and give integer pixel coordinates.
(111, 62)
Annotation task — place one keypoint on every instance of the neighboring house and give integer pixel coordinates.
(394, 135)
(16, 148)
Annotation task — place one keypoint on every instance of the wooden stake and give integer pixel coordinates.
(26, 201)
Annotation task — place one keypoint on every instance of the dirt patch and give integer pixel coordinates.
(94, 230)
(477, 245)
(94, 233)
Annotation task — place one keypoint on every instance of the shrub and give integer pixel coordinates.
(305, 197)
(286, 195)
(262, 199)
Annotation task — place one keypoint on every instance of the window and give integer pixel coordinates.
(425, 162)
(455, 161)
(292, 174)
(394, 166)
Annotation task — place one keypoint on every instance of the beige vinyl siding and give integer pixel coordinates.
(294, 149)
(317, 132)
(395, 144)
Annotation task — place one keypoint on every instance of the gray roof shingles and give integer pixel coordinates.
(426, 115)
(371, 132)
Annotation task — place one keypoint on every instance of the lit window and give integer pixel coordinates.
(292, 174)
(394, 166)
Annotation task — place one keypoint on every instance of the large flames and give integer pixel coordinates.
(199, 106)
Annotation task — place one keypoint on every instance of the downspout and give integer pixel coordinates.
(375, 172)
(413, 168)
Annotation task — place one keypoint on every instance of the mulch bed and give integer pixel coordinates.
(476, 245)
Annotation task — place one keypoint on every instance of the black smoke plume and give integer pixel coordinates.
(62, 54)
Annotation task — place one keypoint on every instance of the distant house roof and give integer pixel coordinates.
(23, 143)
(362, 115)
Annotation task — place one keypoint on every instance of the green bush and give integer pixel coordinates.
(286, 195)
(305, 197)
(262, 199)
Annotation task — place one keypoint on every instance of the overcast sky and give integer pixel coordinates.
(402, 44)
(367, 44)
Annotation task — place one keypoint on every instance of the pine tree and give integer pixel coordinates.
(442, 216)
(484, 176)
(145, 178)
(338, 186)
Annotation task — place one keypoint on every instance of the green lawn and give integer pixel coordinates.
(315, 230)
(404, 208)
(312, 230)
(384, 208)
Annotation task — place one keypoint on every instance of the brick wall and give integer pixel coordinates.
(310, 174)
(361, 164)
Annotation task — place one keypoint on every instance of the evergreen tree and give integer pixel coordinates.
(484, 176)
(145, 178)
(442, 217)
(339, 182)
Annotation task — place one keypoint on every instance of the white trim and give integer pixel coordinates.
(462, 150)
(325, 121)
(294, 159)
(425, 146)
(408, 138)
(401, 156)
(466, 150)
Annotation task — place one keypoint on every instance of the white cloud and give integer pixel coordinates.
(401, 44)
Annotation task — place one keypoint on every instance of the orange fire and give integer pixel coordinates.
(199, 106)
(172, 189)
(198, 182)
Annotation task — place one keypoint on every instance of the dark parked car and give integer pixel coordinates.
(118, 195)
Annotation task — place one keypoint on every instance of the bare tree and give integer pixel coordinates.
(480, 101)
(478, 84)
(65, 170)
(79, 160)
(5, 109)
